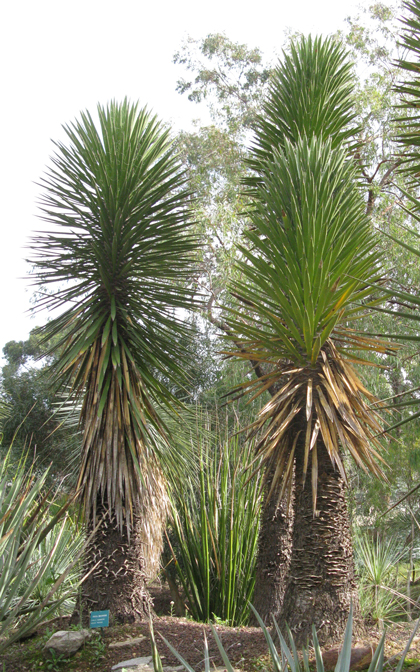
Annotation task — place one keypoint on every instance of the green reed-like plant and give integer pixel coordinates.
(216, 523)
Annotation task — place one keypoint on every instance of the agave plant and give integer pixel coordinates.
(119, 256)
(62, 544)
(306, 278)
(27, 559)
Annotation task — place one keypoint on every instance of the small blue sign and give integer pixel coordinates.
(99, 619)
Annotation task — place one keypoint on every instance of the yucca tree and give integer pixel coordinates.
(117, 258)
(307, 274)
(409, 91)
(407, 134)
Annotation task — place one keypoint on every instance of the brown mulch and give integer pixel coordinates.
(246, 647)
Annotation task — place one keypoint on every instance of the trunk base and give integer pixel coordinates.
(118, 583)
(274, 554)
(321, 584)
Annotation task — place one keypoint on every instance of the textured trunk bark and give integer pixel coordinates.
(321, 583)
(126, 565)
(274, 553)
(119, 581)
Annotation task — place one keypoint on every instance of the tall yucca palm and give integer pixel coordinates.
(407, 134)
(409, 89)
(117, 258)
(306, 277)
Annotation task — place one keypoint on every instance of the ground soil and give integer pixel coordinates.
(246, 647)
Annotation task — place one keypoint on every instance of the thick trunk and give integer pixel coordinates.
(274, 553)
(126, 564)
(119, 581)
(321, 583)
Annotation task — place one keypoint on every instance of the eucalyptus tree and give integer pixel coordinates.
(371, 37)
(117, 258)
(229, 78)
(307, 273)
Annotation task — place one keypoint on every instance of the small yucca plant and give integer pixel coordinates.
(376, 561)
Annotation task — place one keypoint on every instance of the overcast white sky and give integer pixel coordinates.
(59, 57)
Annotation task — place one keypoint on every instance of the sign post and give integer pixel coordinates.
(99, 619)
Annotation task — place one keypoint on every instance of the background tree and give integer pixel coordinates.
(32, 421)
(371, 39)
(116, 204)
(230, 79)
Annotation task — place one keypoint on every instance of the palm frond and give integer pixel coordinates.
(409, 90)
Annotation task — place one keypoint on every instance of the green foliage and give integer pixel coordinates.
(62, 545)
(56, 661)
(309, 227)
(311, 251)
(117, 203)
(410, 302)
(310, 94)
(229, 76)
(95, 651)
(215, 527)
(5, 410)
(409, 90)
(30, 397)
(33, 578)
